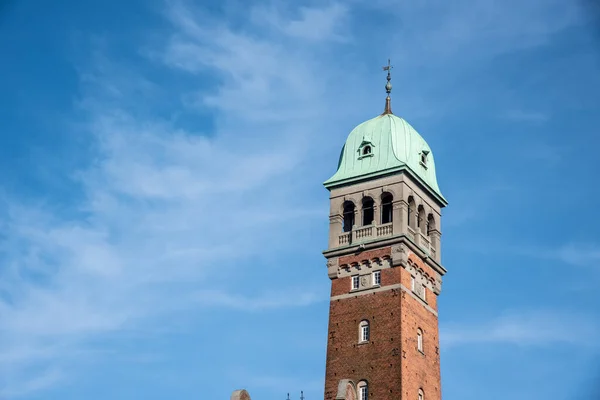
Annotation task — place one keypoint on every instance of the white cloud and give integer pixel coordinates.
(324, 24)
(526, 116)
(581, 254)
(266, 301)
(524, 328)
(160, 205)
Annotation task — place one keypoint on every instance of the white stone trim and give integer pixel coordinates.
(400, 286)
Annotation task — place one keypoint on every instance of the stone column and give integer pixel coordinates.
(376, 215)
(399, 217)
(403, 218)
(335, 229)
(434, 237)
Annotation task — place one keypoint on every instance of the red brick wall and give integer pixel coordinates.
(376, 361)
(422, 369)
(390, 362)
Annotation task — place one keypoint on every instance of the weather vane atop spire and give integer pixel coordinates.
(388, 89)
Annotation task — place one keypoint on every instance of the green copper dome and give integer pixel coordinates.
(384, 145)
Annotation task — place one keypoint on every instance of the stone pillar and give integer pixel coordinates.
(376, 214)
(403, 227)
(434, 237)
(335, 230)
(398, 217)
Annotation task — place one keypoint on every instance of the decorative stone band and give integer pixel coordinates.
(392, 241)
(384, 289)
(399, 258)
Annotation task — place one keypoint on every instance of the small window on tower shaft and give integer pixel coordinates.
(421, 395)
(377, 278)
(363, 391)
(420, 340)
(364, 332)
(355, 282)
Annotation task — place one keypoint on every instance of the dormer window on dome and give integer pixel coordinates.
(366, 148)
(424, 155)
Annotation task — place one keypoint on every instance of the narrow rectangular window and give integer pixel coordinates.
(377, 278)
(412, 284)
(364, 337)
(364, 393)
(355, 282)
(424, 291)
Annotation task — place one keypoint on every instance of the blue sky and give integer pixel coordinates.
(163, 216)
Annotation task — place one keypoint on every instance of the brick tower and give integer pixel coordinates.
(383, 260)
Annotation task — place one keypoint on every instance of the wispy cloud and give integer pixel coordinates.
(522, 328)
(581, 254)
(575, 253)
(160, 204)
(266, 301)
(526, 116)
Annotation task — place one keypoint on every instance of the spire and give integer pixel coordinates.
(388, 90)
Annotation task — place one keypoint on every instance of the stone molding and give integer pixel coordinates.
(333, 269)
(422, 277)
(391, 241)
(379, 289)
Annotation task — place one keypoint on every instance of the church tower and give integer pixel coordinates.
(384, 262)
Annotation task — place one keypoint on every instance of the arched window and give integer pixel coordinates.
(348, 216)
(421, 394)
(421, 219)
(363, 390)
(430, 223)
(366, 150)
(364, 331)
(386, 208)
(368, 211)
(411, 212)
(420, 340)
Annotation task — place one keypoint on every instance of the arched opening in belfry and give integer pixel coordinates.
(386, 208)
(411, 217)
(430, 223)
(421, 219)
(348, 216)
(368, 211)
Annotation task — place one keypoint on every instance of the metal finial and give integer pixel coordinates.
(388, 89)
(301, 395)
(288, 398)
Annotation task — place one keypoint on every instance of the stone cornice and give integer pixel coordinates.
(390, 241)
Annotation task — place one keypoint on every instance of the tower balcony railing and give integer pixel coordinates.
(365, 233)
(424, 243)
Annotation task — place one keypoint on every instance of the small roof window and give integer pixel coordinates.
(424, 157)
(365, 149)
